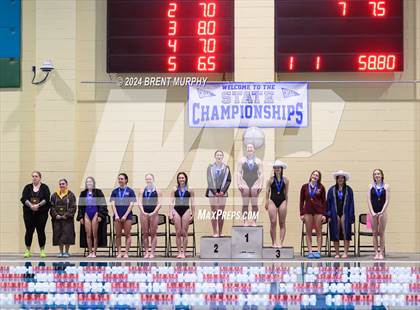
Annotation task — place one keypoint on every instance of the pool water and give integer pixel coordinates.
(193, 285)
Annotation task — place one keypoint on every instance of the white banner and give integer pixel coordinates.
(236, 104)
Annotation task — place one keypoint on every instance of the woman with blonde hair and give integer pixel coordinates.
(92, 213)
(218, 181)
(250, 182)
(149, 206)
(378, 201)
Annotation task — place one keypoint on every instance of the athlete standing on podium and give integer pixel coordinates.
(276, 201)
(218, 180)
(250, 182)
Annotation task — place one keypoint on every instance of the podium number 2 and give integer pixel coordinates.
(216, 248)
(277, 253)
(247, 238)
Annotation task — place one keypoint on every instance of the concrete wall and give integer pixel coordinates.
(66, 128)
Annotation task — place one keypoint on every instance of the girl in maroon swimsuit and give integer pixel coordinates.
(313, 210)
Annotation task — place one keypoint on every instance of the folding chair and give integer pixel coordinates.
(352, 245)
(161, 233)
(134, 233)
(109, 240)
(191, 249)
(363, 232)
(325, 239)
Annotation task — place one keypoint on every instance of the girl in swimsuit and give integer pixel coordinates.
(313, 210)
(378, 200)
(218, 181)
(122, 200)
(149, 207)
(250, 178)
(182, 198)
(92, 210)
(276, 201)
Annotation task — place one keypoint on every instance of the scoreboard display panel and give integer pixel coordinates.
(170, 36)
(339, 35)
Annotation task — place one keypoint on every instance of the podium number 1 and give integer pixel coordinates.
(216, 248)
(247, 238)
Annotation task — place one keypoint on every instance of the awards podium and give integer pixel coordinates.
(246, 243)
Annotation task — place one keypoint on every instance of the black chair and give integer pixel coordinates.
(161, 233)
(363, 232)
(109, 240)
(325, 247)
(352, 245)
(136, 248)
(191, 248)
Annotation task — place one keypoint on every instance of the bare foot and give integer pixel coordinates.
(221, 235)
(245, 223)
(126, 255)
(345, 256)
(215, 235)
(254, 223)
(179, 255)
(151, 255)
(337, 256)
(380, 256)
(93, 255)
(182, 255)
(147, 255)
(376, 256)
(119, 255)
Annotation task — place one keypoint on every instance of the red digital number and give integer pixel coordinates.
(209, 45)
(206, 63)
(172, 9)
(291, 63)
(172, 29)
(318, 63)
(378, 8)
(171, 63)
(343, 5)
(377, 62)
(207, 28)
(209, 9)
(172, 44)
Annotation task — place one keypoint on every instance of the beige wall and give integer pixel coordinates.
(68, 129)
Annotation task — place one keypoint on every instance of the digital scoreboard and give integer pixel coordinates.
(170, 36)
(339, 35)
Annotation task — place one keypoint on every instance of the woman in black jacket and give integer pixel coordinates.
(36, 203)
(92, 215)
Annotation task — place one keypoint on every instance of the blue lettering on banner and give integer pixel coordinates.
(270, 105)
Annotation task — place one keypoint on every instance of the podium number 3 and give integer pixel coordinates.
(247, 238)
(216, 248)
(277, 253)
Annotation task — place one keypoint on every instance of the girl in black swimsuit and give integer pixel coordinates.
(149, 207)
(378, 201)
(181, 213)
(276, 202)
(250, 183)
